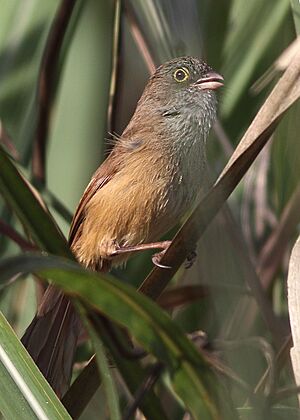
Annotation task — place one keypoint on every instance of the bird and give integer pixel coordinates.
(150, 179)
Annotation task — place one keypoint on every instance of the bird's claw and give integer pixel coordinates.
(156, 258)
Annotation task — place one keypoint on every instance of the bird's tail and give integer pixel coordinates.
(51, 339)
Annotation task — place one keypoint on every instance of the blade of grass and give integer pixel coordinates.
(294, 308)
(106, 374)
(24, 391)
(26, 203)
(239, 75)
(296, 14)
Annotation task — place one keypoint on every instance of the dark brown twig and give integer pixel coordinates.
(139, 38)
(46, 85)
(144, 388)
(7, 230)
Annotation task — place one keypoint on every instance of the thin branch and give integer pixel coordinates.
(142, 391)
(46, 84)
(11, 233)
(139, 39)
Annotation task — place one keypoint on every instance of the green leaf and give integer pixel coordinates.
(21, 196)
(190, 375)
(256, 24)
(24, 391)
(276, 413)
(295, 5)
(106, 375)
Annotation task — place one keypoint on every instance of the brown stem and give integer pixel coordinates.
(46, 84)
(144, 388)
(139, 38)
(8, 231)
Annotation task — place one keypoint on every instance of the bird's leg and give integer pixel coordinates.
(142, 247)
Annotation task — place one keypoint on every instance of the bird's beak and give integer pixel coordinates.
(212, 81)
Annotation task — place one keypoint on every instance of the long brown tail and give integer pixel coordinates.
(51, 339)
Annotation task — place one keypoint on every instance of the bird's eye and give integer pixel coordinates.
(181, 75)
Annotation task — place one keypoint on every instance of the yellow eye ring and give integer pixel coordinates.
(181, 74)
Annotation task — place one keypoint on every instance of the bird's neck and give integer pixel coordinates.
(178, 133)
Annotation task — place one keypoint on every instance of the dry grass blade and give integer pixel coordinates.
(285, 93)
(294, 308)
(275, 247)
(280, 64)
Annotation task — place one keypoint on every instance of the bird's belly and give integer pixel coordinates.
(127, 214)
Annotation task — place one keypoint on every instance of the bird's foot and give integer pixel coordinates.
(142, 247)
(190, 259)
(156, 258)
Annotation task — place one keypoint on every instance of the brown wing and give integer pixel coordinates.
(100, 178)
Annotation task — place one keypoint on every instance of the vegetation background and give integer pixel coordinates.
(235, 292)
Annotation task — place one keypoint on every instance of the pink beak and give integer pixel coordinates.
(211, 81)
